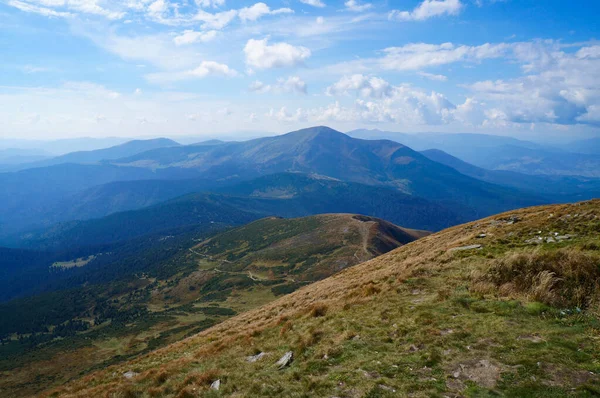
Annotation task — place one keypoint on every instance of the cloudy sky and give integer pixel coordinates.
(203, 67)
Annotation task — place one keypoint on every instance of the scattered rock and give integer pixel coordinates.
(532, 338)
(285, 360)
(481, 236)
(371, 375)
(215, 385)
(255, 358)
(386, 388)
(413, 348)
(130, 375)
(462, 248)
(482, 372)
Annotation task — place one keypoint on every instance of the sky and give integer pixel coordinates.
(140, 68)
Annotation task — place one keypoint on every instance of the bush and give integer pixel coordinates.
(564, 277)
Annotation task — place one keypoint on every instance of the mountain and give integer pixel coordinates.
(502, 153)
(589, 146)
(324, 151)
(532, 161)
(62, 146)
(13, 156)
(285, 195)
(555, 189)
(28, 196)
(126, 149)
(462, 145)
(191, 283)
(504, 306)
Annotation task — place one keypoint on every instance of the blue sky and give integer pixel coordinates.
(206, 67)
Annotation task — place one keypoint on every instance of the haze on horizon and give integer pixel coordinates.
(147, 68)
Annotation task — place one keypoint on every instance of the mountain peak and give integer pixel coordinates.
(317, 131)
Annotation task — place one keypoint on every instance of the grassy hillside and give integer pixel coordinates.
(169, 289)
(505, 306)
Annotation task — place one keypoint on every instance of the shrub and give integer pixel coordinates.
(318, 310)
(564, 277)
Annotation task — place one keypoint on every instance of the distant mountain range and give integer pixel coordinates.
(581, 158)
(284, 195)
(39, 197)
(555, 188)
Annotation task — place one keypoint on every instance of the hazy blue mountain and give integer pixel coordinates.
(65, 145)
(555, 189)
(13, 156)
(463, 143)
(590, 146)
(503, 153)
(536, 161)
(96, 156)
(29, 194)
(285, 195)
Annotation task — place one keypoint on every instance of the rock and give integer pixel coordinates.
(255, 358)
(481, 236)
(564, 237)
(462, 248)
(386, 388)
(129, 375)
(483, 373)
(215, 385)
(285, 360)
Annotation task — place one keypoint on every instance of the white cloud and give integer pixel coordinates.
(434, 77)
(215, 21)
(67, 8)
(260, 55)
(205, 69)
(191, 36)
(365, 86)
(292, 84)
(357, 6)
(428, 9)
(27, 7)
(287, 117)
(420, 55)
(210, 3)
(314, 3)
(258, 10)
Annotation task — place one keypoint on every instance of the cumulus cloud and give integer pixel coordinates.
(191, 36)
(217, 20)
(558, 87)
(283, 115)
(365, 86)
(67, 8)
(258, 10)
(205, 69)
(357, 6)
(428, 9)
(420, 55)
(314, 3)
(210, 3)
(260, 55)
(432, 76)
(292, 84)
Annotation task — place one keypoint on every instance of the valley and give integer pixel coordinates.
(424, 320)
(220, 276)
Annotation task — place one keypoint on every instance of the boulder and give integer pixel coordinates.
(285, 360)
